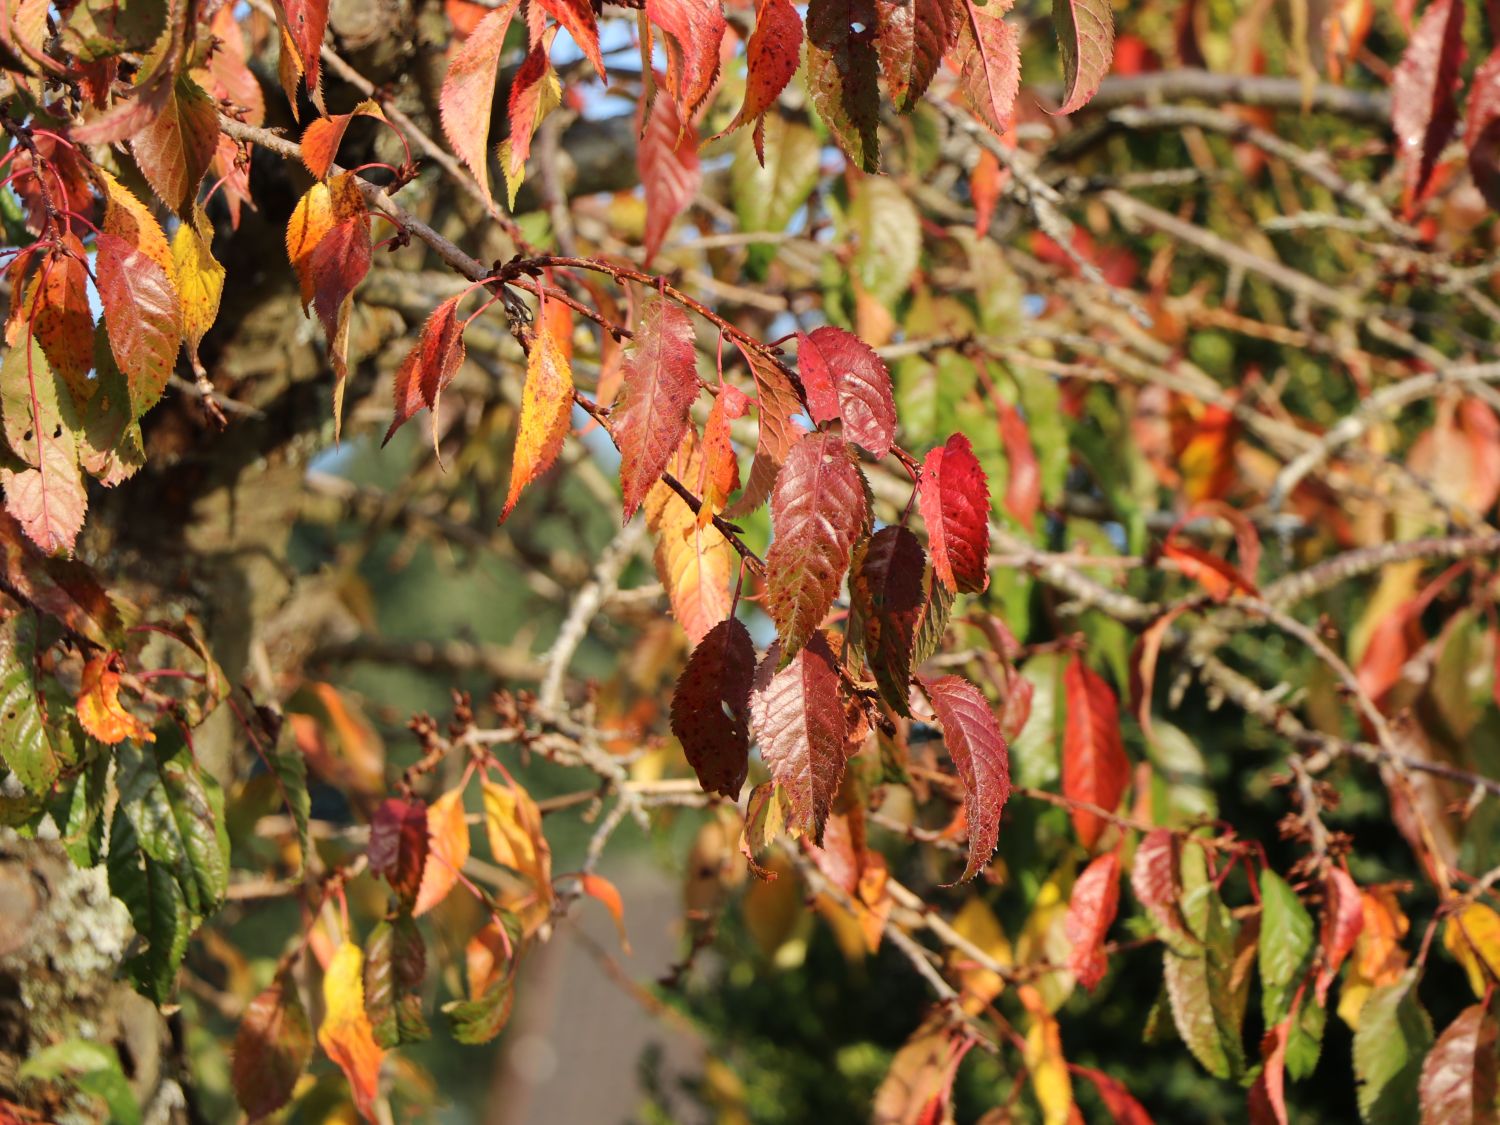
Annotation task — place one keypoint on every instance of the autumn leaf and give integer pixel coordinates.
(1043, 1056)
(138, 293)
(842, 70)
(200, 280)
(1219, 579)
(693, 560)
(513, 826)
(1423, 92)
(1343, 922)
(1472, 935)
(100, 712)
(985, 181)
(602, 891)
(399, 845)
(534, 93)
(979, 753)
(337, 264)
(311, 219)
(818, 509)
(428, 369)
(345, 1034)
(660, 382)
(1086, 42)
(1267, 1098)
(546, 410)
(1482, 129)
(1121, 1104)
(798, 719)
(1091, 911)
(62, 321)
(845, 379)
(667, 159)
(912, 37)
(1458, 1085)
(771, 58)
(303, 23)
(577, 16)
(45, 491)
(694, 30)
(777, 406)
(322, 137)
(711, 708)
(1155, 877)
(271, 1049)
(1023, 484)
(1094, 767)
(448, 850)
(988, 59)
(954, 499)
(720, 474)
(174, 150)
(468, 92)
(887, 599)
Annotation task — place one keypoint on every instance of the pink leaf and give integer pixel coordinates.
(667, 158)
(1086, 41)
(988, 59)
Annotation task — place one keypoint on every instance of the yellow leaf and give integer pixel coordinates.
(1473, 937)
(346, 1035)
(546, 407)
(514, 827)
(695, 564)
(200, 279)
(132, 220)
(977, 922)
(1044, 1058)
(311, 219)
(1044, 936)
(447, 849)
(1378, 958)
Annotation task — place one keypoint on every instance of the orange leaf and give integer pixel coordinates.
(546, 406)
(99, 709)
(321, 138)
(346, 1035)
(310, 221)
(695, 564)
(600, 888)
(1214, 574)
(447, 849)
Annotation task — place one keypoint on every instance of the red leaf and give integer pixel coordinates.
(694, 30)
(1217, 577)
(954, 499)
(577, 17)
(842, 72)
(271, 1049)
(667, 158)
(1482, 129)
(305, 22)
(844, 378)
(711, 708)
(1091, 911)
(777, 405)
(429, 367)
(1094, 767)
(1343, 922)
(979, 753)
(337, 264)
(468, 92)
(798, 719)
(1458, 1077)
(546, 412)
(398, 846)
(602, 891)
(888, 600)
(321, 138)
(1423, 90)
(528, 90)
(1086, 41)
(1267, 1100)
(141, 313)
(1023, 488)
(174, 151)
(988, 60)
(660, 382)
(1121, 1104)
(912, 37)
(818, 509)
(63, 322)
(771, 58)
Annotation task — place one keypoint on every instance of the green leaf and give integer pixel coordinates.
(83, 824)
(884, 219)
(481, 1019)
(767, 197)
(26, 740)
(1393, 1037)
(1305, 1039)
(1286, 944)
(157, 909)
(1207, 997)
(93, 1068)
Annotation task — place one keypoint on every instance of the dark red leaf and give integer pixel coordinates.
(577, 17)
(1091, 911)
(1023, 487)
(842, 75)
(777, 405)
(1086, 41)
(912, 38)
(771, 58)
(660, 382)
(694, 30)
(1122, 1106)
(1458, 1084)
(954, 499)
(798, 719)
(711, 708)
(844, 378)
(468, 93)
(1343, 922)
(1423, 92)
(979, 753)
(429, 367)
(398, 846)
(271, 1049)
(818, 509)
(667, 158)
(1094, 767)
(1482, 129)
(988, 60)
(888, 600)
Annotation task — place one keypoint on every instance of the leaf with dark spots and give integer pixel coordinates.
(842, 70)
